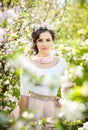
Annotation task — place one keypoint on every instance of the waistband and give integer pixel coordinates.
(43, 97)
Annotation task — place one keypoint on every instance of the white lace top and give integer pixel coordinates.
(47, 80)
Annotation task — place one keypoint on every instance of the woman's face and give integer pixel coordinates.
(44, 43)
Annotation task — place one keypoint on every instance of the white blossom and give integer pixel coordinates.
(61, 3)
(85, 57)
(10, 14)
(2, 34)
(28, 115)
(39, 122)
(6, 82)
(70, 110)
(81, 128)
(81, 31)
(19, 124)
(85, 89)
(13, 99)
(2, 17)
(85, 125)
(7, 107)
(86, 42)
(78, 71)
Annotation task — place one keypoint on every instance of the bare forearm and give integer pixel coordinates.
(64, 91)
(23, 103)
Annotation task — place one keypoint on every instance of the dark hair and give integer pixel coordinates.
(35, 35)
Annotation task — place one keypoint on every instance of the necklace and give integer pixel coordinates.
(44, 60)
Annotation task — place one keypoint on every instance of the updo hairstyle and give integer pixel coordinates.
(43, 27)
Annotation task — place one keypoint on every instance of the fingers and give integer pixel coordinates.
(57, 102)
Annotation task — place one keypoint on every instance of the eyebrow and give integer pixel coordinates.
(42, 39)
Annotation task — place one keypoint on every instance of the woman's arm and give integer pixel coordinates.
(64, 91)
(24, 91)
(23, 103)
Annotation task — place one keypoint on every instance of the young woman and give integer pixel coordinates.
(43, 99)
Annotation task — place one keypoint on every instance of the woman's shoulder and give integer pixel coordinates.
(61, 59)
(62, 62)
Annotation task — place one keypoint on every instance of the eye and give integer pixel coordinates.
(40, 40)
(48, 40)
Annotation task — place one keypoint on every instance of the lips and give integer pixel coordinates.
(44, 48)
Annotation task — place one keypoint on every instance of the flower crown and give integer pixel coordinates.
(42, 25)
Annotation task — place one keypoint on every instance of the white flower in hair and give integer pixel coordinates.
(43, 25)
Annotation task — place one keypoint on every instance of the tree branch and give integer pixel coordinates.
(47, 12)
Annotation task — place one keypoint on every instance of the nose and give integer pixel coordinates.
(44, 43)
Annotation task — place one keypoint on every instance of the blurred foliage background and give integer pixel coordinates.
(69, 20)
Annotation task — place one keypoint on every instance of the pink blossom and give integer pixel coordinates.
(44, 24)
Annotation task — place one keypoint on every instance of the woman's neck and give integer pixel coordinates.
(43, 55)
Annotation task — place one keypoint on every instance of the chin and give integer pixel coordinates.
(45, 52)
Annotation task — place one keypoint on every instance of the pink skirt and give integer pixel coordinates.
(42, 106)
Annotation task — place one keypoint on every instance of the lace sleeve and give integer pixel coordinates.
(24, 83)
(64, 80)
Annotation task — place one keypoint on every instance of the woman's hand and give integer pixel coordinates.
(57, 102)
